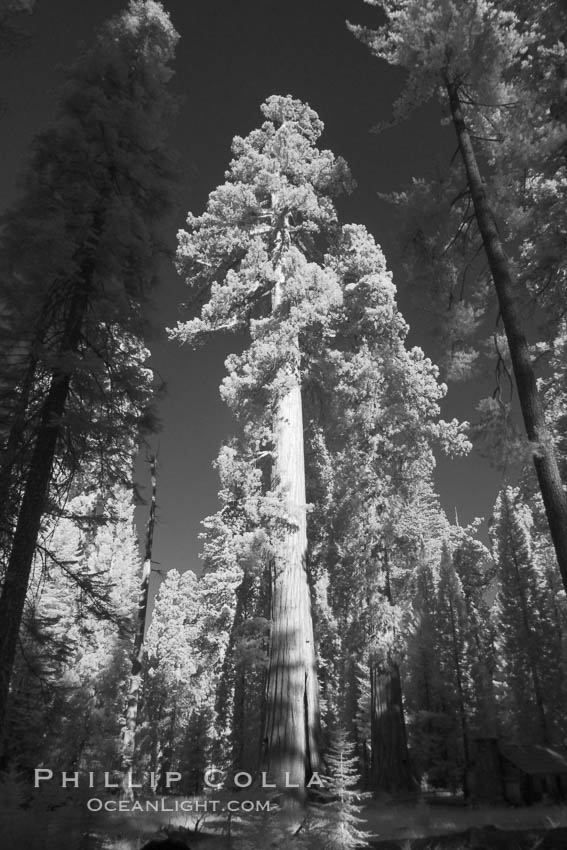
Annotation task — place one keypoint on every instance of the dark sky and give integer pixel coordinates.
(232, 55)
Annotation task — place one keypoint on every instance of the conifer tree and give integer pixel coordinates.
(252, 253)
(338, 826)
(185, 649)
(375, 407)
(95, 191)
(475, 570)
(171, 667)
(476, 57)
(69, 678)
(529, 643)
(236, 580)
(450, 661)
(422, 681)
(356, 378)
(454, 666)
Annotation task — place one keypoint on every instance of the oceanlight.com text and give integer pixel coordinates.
(166, 804)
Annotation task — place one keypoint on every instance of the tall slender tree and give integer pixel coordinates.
(135, 680)
(453, 649)
(94, 195)
(468, 53)
(173, 660)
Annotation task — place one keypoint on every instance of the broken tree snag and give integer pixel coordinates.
(128, 744)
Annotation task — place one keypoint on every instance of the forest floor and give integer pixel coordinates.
(393, 826)
(420, 825)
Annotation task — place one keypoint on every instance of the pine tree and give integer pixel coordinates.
(69, 677)
(185, 650)
(337, 827)
(474, 56)
(454, 665)
(172, 665)
(475, 570)
(94, 194)
(529, 645)
(450, 662)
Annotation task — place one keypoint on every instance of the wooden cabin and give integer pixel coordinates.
(520, 774)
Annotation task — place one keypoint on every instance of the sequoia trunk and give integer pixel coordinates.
(292, 721)
(390, 768)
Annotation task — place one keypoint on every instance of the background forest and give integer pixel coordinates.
(344, 622)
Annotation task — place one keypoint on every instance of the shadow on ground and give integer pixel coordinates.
(483, 838)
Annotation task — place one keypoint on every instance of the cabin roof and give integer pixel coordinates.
(536, 760)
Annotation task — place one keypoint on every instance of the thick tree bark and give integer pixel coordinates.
(543, 449)
(292, 714)
(128, 743)
(390, 767)
(12, 600)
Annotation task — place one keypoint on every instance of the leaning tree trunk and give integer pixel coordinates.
(128, 743)
(16, 580)
(292, 712)
(543, 449)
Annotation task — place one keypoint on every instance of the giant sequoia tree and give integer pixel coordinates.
(253, 254)
(326, 341)
(93, 196)
(483, 60)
